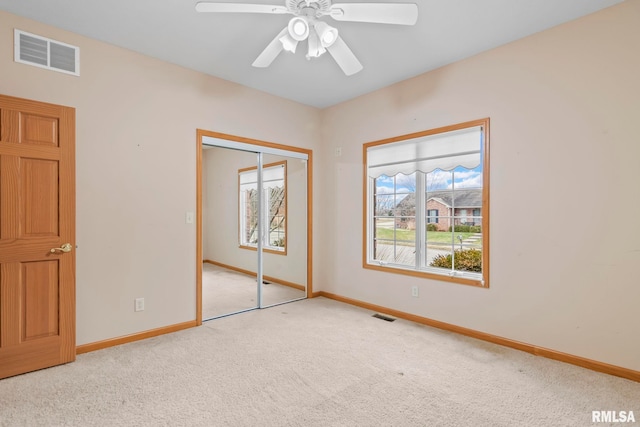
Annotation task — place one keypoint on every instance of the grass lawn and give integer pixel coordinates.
(410, 235)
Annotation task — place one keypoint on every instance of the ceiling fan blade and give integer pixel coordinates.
(270, 53)
(344, 57)
(380, 13)
(205, 6)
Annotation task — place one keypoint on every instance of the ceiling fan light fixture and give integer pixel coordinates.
(327, 34)
(315, 46)
(288, 43)
(298, 28)
(328, 38)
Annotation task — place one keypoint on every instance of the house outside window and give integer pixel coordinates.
(426, 209)
(274, 202)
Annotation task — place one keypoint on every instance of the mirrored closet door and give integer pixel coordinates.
(254, 227)
(228, 273)
(284, 218)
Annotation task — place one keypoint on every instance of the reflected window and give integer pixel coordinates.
(274, 204)
(426, 206)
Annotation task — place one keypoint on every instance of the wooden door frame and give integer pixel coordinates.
(200, 134)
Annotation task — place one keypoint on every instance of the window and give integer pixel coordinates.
(274, 203)
(427, 204)
(432, 216)
(463, 216)
(477, 217)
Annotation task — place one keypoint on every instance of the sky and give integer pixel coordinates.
(436, 180)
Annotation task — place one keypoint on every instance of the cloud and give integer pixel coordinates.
(438, 180)
(468, 179)
(384, 190)
(406, 181)
(464, 178)
(403, 184)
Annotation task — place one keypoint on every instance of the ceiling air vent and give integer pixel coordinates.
(46, 53)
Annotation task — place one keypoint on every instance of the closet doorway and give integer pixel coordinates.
(253, 224)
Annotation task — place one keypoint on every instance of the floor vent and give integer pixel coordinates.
(384, 317)
(46, 53)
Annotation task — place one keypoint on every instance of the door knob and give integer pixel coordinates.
(64, 248)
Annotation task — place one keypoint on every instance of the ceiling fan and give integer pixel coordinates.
(320, 36)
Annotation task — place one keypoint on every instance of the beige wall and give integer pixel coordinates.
(564, 132)
(563, 106)
(136, 140)
(220, 213)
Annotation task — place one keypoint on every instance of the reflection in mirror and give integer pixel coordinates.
(274, 206)
(228, 273)
(284, 216)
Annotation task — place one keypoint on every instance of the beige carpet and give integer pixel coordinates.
(312, 363)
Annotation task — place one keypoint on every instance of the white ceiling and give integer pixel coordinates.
(225, 45)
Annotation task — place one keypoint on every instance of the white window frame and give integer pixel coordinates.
(419, 142)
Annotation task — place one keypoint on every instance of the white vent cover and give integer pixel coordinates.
(46, 53)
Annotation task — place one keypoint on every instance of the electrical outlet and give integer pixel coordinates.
(414, 291)
(338, 151)
(139, 306)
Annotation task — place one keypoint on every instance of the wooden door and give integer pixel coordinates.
(37, 214)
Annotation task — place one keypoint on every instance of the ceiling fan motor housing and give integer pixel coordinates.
(311, 8)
